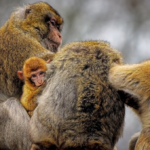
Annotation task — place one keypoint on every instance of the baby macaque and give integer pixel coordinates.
(33, 75)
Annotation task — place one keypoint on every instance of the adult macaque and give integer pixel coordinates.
(33, 75)
(25, 33)
(134, 79)
(79, 109)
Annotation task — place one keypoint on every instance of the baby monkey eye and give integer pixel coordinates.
(33, 75)
(41, 73)
(53, 22)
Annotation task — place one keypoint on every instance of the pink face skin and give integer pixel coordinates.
(38, 77)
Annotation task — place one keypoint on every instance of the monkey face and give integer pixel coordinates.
(38, 77)
(45, 25)
(53, 39)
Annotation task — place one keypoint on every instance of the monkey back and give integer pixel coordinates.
(79, 109)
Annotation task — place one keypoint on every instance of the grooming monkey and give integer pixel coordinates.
(134, 79)
(78, 108)
(26, 33)
(33, 75)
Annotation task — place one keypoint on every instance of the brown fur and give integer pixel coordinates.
(24, 35)
(30, 91)
(134, 79)
(78, 108)
(133, 141)
(143, 142)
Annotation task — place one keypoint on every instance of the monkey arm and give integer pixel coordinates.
(28, 98)
(133, 141)
(132, 79)
(119, 76)
(28, 102)
(143, 140)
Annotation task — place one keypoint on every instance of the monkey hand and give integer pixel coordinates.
(48, 61)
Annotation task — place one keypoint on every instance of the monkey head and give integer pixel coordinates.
(43, 23)
(33, 72)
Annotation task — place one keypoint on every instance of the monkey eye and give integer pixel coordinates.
(53, 22)
(33, 75)
(41, 73)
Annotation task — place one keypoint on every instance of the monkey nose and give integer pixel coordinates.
(40, 82)
(59, 35)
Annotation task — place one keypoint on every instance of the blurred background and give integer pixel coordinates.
(123, 23)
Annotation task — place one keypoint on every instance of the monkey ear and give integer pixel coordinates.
(20, 75)
(27, 11)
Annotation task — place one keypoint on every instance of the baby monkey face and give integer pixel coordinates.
(38, 77)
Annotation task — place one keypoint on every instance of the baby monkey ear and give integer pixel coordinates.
(20, 75)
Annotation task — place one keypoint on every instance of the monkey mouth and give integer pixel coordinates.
(50, 44)
(54, 43)
(43, 84)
